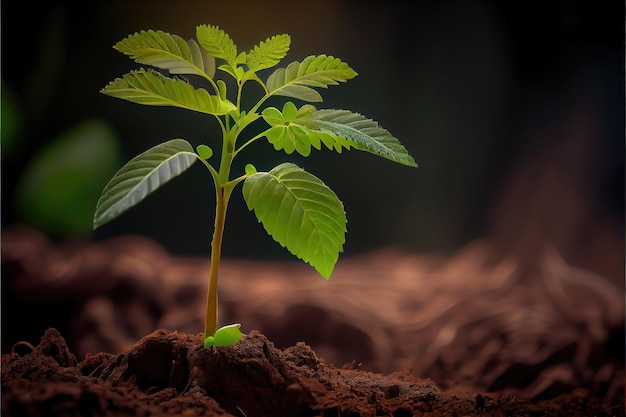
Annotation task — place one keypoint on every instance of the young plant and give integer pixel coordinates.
(296, 208)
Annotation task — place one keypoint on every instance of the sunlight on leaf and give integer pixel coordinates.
(289, 132)
(268, 53)
(170, 52)
(217, 43)
(154, 89)
(365, 134)
(297, 78)
(300, 212)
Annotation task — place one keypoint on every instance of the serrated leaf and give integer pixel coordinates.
(169, 52)
(217, 43)
(241, 58)
(268, 53)
(154, 89)
(297, 79)
(300, 212)
(365, 134)
(141, 176)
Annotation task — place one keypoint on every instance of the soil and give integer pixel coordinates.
(171, 374)
(469, 335)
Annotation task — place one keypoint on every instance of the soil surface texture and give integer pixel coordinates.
(477, 333)
(172, 374)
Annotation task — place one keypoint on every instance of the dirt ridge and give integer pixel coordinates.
(170, 374)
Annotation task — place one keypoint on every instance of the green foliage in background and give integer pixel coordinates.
(59, 186)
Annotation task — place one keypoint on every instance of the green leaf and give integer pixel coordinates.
(289, 133)
(12, 118)
(141, 176)
(169, 52)
(224, 336)
(217, 43)
(315, 71)
(250, 169)
(365, 134)
(204, 152)
(273, 116)
(300, 212)
(268, 53)
(154, 89)
(61, 184)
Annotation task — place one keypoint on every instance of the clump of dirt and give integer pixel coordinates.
(171, 374)
(535, 329)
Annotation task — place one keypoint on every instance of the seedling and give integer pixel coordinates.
(296, 208)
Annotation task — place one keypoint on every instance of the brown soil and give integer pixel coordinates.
(392, 334)
(171, 374)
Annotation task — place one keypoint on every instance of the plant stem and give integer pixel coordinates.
(223, 191)
(210, 323)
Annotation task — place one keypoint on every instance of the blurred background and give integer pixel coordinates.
(477, 91)
(508, 238)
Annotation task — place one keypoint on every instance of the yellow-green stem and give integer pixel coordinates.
(222, 193)
(210, 323)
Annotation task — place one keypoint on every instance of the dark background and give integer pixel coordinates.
(471, 88)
